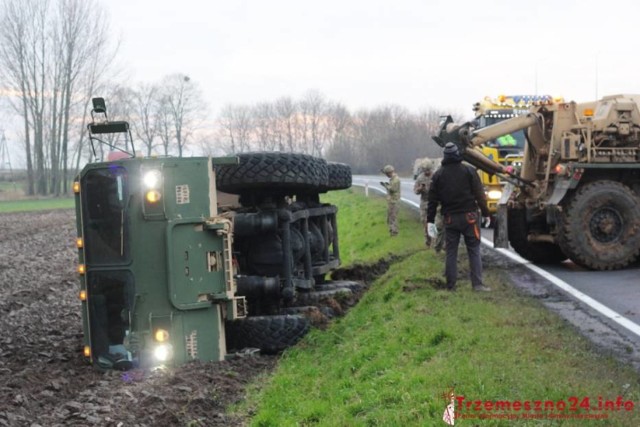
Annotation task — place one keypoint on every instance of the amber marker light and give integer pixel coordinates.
(79, 243)
(588, 112)
(82, 269)
(83, 295)
(161, 335)
(76, 187)
(86, 351)
(561, 169)
(153, 196)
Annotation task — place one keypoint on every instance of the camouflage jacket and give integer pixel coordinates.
(393, 189)
(421, 187)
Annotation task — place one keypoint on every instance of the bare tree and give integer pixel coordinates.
(23, 66)
(313, 109)
(46, 47)
(268, 137)
(182, 100)
(286, 112)
(83, 41)
(146, 124)
(236, 128)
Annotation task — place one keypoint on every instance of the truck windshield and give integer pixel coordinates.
(105, 198)
(511, 140)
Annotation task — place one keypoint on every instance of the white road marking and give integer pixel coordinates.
(599, 307)
(586, 299)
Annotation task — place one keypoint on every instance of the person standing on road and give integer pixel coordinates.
(421, 187)
(393, 198)
(457, 189)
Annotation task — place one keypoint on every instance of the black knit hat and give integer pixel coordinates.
(451, 153)
(451, 149)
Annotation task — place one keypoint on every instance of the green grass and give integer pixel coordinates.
(388, 361)
(36, 204)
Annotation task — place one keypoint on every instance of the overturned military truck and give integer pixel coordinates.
(577, 194)
(185, 259)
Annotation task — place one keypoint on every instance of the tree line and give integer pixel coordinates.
(55, 55)
(366, 139)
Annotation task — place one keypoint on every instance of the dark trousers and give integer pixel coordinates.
(465, 224)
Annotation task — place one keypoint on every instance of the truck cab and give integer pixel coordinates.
(506, 149)
(154, 262)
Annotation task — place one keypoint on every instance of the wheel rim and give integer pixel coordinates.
(606, 225)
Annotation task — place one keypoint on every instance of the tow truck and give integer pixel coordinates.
(506, 149)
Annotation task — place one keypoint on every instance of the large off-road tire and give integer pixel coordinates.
(339, 177)
(600, 226)
(272, 171)
(536, 252)
(271, 334)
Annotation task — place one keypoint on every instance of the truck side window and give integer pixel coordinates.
(105, 225)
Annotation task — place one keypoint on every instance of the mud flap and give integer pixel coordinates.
(500, 230)
(500, 233)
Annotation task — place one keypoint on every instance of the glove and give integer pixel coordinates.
(432, 231)
(486, 221)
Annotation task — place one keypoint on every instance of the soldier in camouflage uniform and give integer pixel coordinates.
(421, 187)
(393, 198)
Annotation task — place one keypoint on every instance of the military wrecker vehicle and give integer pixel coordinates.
(183, 259)
(577, 194)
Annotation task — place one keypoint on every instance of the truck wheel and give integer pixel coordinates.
(600, 226)
(272, 171)
(536, 252)
(271, 334)
(339, 177)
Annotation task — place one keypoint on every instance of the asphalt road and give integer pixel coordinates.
(617, 290)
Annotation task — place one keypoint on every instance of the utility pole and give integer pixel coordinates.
(5, 159)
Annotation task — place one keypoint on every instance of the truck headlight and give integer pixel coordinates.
(494, 194)
(163, 352)
(152, 179)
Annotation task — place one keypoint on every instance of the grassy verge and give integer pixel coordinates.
(389, 361)
(35, 204)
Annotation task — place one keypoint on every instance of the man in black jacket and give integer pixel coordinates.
(457, 188)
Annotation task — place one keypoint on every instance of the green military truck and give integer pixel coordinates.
(186, 259)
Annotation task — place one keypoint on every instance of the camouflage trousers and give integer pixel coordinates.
(423, 218)
(438, 242)
(439, 223)
(392, 217)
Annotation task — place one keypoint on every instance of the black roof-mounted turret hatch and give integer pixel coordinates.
(101, 125)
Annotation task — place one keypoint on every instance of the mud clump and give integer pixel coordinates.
(415, 284)
(366, 273)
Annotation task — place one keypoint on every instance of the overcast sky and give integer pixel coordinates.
(364, 53)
